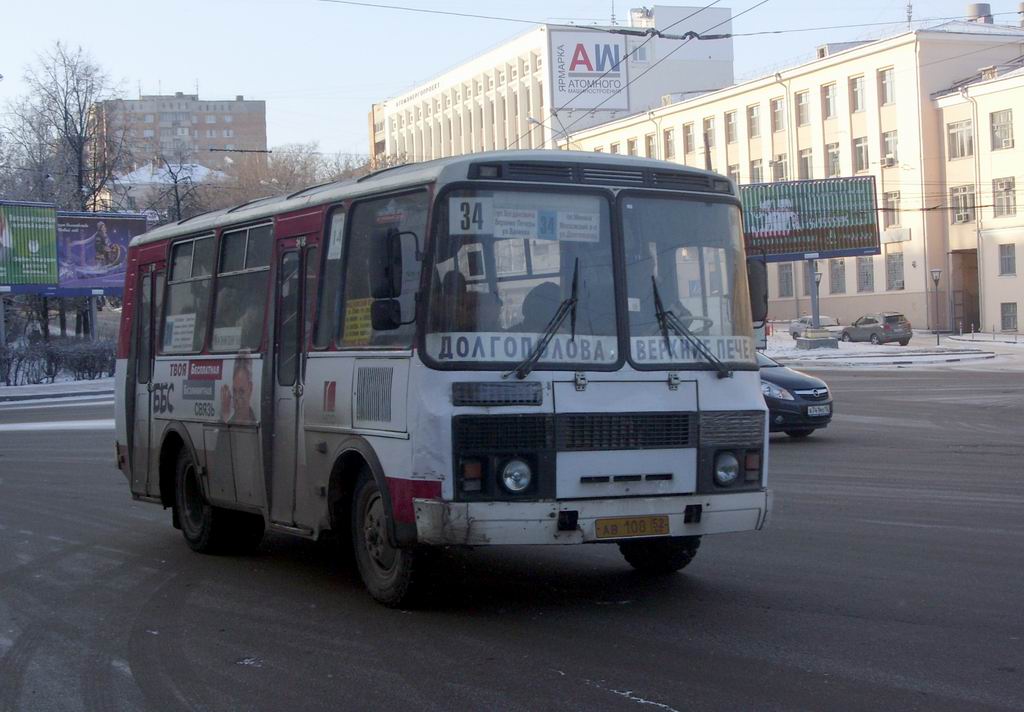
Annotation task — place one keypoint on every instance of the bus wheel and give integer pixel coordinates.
(203, 525)
(660, 556)
(387, 571)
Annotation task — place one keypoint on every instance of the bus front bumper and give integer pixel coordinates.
(493, 523)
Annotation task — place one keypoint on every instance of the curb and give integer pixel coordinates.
(825, 363)
(44, 396)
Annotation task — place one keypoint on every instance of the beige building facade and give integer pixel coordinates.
(857, 109)
(528, 92)
(182, 128)
(984, 173)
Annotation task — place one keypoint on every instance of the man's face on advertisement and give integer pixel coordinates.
(241, 391)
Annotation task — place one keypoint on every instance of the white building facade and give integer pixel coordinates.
(553, 79)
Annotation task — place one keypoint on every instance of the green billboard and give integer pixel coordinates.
(28, 243)
(811, 219)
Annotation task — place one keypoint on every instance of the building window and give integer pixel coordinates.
(631, 147)
(860, 154)
(1008, 313)
(1007, 259)
(754, 121)
(228, 118)
(890, 148)
(669, 139)
(960, 136)
(709, 132)
(856, 94)
(961, 203)
(640, 55)
(210, 119)
(831, 160)
(148, 118)
(785, 279)
(1002, 129)
(865, 274)
(211, 133)
(779, 167)
(730, 127)
(688, 146)
(803, 108)
(893, 266)
(614, 148)
(805, 169)
(1004, 197)
(756, 172)
(890, 209)
(837, 276)
(778, 107)
(598, 149)
(886, 86)
(828, 101)
(733, 171)
(229, 133)
(649, 147)
(808, 277)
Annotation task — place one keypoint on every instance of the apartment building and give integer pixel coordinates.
(984, 175)
(858, 108)
(182, 128)
(527, 92)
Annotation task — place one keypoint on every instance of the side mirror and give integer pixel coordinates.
(386, 266)
(757, 277)
(385, 314)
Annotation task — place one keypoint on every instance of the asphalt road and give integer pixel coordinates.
(891, 577)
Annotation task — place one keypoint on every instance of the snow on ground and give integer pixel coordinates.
(921, 351)
(60, 388)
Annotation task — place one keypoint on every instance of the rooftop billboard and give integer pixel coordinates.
(28, 244)
(588, 71)
(811, 219)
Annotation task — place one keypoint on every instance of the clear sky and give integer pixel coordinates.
(319, 66)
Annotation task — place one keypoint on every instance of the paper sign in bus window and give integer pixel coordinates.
(179, 332)
(470, 216)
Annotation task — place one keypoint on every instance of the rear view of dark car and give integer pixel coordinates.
(881, 328)
(798, 404)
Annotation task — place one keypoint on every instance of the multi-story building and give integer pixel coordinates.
(861, 108)
(529, 91)
(182, 128)
(983, 171)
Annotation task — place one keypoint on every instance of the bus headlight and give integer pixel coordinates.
(516, 476)
(727, 469)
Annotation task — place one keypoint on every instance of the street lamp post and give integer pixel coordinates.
(936, 274)
(812, 269)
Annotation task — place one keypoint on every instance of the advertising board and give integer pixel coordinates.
(588, 71)
(811, 219)
(28, 244)
(92, 248)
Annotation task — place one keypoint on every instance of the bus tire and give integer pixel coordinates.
(388, 572)
(204, 526)
(660, 556)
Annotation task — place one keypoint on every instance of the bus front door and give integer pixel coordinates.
(289, 338)
(148, 305)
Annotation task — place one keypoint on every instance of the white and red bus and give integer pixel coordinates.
(503, 348)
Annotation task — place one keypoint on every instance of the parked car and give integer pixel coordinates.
(880, 328)
(797, 327)
(798, 404)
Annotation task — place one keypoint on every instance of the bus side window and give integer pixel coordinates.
(239, 304)
(312, 267)
(188, 295)
(375, 220)
(330, 285)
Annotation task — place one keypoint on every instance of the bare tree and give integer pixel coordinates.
(66, 143)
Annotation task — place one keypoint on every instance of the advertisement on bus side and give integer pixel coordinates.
(221, 390)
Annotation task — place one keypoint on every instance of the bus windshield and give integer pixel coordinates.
(687, 254)
(504, 264)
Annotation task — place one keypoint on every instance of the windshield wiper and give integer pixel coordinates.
(668, 320)
(567, 307)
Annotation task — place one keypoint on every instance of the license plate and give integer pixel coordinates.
(819, 409)
(619, 527)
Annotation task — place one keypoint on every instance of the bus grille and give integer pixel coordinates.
(574, 432)
(624, 431)
(731, 427)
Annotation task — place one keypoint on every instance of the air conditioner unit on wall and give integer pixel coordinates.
(1007, 143)
(889, 161)
(961, 218)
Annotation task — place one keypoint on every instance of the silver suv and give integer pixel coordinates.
(880, 328)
